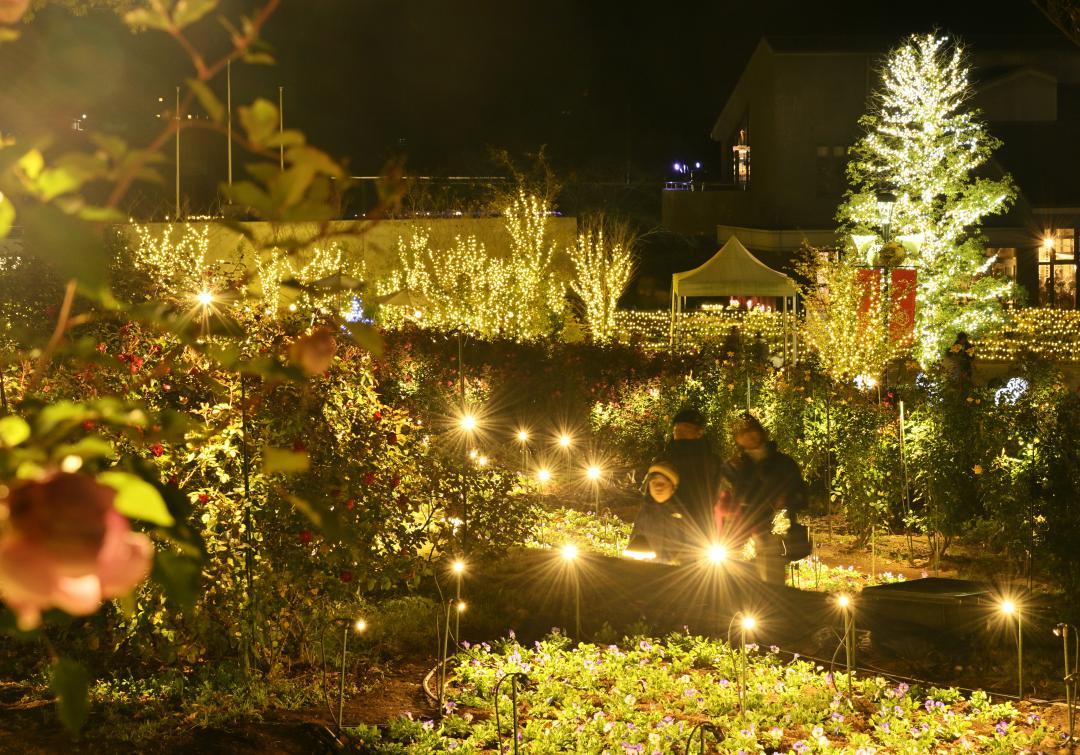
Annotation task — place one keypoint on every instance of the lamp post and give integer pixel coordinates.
(1062, 631)
(523, 439)
(594, 473)
(565, 441)
(1011, 608)
(458, 567)
(747, 623)
(886, 201)
(467, 424)
(569, 554)
(359, 626)
(848, 609)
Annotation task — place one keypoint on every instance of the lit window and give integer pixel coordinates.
(740, 155)
(1057, 269)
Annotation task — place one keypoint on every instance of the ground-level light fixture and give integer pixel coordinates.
(467, 423)
(523, 436)
(593, 472)
(569, 552)
(1010, 608)
(543, 475)
(717, 553)
(205, 298)
(565, 440)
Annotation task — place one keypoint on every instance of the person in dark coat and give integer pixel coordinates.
(700, 472)
(764, 490)
(660, 529)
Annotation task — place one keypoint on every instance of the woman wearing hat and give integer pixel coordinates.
(765, 491)
(660, 530)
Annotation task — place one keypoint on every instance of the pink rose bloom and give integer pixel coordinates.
(12, 10)
(67, 547)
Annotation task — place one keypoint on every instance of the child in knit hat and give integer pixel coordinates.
(662, 525)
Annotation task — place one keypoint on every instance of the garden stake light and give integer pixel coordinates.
(523, 439)
(1010, 608)
(458, 568)
(702, 730)
(359, 626)
(569, 555)
(458, 606)
(594, 473)
(1062, 631)
(514, 678)
(747, 623)
(845, 604)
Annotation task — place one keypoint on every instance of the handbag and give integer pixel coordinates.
(796, 542)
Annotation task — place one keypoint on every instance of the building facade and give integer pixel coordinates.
(783, 137)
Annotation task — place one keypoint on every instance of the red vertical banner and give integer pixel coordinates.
(901, 283)
(902, 328)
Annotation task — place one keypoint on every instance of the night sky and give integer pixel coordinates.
(603, 84)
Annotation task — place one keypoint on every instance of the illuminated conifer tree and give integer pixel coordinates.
(924, 146)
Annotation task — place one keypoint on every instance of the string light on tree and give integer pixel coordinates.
(925, 147)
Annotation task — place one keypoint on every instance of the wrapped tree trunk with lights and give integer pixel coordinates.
(922, 145)
(603, 261)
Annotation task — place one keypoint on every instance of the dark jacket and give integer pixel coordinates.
(664, 528)
(700, 475)
(758, 489)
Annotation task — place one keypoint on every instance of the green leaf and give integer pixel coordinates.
(137, 499)
(259, 58)
(90, 447)
(187, 12)
(62, 412)
(208, 99)
(281, 460)
(250, 195)
(70, 684)
(364, 336)
(7, 216)
(260, 121)
(179, 575)
(70, 244)
(147, 18)
(13, 430)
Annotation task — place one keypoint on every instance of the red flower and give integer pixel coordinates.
(350, 504)
(101, 347)
(377, 416)
(304, 536)
(166, 387)
(345, 576)
(391, 438)
(394, 482)
(136, 364)
(157, 450)
(204, 498)
(174, 480)
(89, 424)
(369, 479)
(298, 445)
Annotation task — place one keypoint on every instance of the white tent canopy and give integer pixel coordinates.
(732, 271)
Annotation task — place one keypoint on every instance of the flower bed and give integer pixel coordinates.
(646, 696)
(811, 574)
